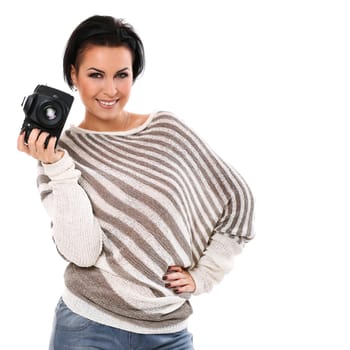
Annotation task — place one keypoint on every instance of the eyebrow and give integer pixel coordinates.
(101, 71)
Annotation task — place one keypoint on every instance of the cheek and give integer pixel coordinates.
(87, 89)
(86, 96)
(125, 87)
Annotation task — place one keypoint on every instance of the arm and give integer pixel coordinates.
(219, 256)
(231, 232)
(76, 232)
(233, 227)
(211, 268)
(216, 262)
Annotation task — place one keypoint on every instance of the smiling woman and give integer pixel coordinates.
(146, 214)
(104, 80)
(102, 64)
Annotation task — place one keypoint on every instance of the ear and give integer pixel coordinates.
(73, 75)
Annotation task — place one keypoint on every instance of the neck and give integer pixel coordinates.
(120, 123)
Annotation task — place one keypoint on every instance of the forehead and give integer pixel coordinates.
(106, 57)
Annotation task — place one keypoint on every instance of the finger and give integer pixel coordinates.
(51, 144)
(33, 136)
(177, 283)
(175, 268)
(42, 137)
(180, 282)
(172, 276)
(182, 285)
(21, 146)
(189, 288)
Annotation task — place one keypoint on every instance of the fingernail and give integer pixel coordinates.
(165, 278)
(167, 285)
(177, 291)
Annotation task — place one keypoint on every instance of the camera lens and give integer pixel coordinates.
(50, 113)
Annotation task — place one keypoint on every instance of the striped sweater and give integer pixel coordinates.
(126, 205)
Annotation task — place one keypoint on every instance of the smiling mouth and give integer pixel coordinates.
(107, 103)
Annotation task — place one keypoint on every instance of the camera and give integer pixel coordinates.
(46, 109)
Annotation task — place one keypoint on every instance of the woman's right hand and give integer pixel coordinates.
(36, 148)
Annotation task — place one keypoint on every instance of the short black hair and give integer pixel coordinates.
(102, 31)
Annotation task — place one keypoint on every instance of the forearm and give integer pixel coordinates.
(216, 262)
(75, 230)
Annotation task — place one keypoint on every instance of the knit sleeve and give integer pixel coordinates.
(216, 262)
(75, 230)
(233, 229)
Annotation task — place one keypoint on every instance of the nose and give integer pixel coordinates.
(110, 87)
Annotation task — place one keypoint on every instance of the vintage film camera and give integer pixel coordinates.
(46, 109)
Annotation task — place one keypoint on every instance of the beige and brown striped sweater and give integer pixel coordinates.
(126, 205)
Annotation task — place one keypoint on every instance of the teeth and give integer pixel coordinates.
(105, 103)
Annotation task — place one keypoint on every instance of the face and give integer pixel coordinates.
(104, 80)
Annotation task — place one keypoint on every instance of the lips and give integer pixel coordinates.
(107, 104)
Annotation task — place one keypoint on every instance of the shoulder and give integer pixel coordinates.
(164, 116)
(171, 121)
(67, 138)
(66, 134)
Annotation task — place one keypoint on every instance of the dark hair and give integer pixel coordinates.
(102, 31)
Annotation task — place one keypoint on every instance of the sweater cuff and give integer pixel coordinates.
(216, 262)
(62, 170)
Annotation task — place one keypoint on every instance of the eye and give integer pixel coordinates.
(95, 75)
(122, 75)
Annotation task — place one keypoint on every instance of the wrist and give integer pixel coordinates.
(62, 170)
(58, 156)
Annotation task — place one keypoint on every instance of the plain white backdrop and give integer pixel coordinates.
(267, 84)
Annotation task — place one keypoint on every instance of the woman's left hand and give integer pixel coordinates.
(179, 279)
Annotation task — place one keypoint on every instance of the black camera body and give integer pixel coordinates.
(46, 109)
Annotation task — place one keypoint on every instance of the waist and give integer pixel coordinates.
(119, 302)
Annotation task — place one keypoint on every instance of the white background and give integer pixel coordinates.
(267, 84)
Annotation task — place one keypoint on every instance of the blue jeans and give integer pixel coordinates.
(74, 332)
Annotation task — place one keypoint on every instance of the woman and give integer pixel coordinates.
(141, 208)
